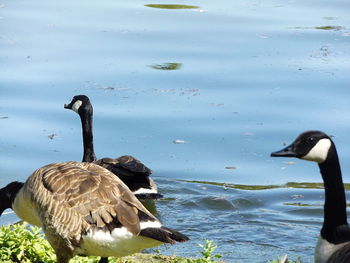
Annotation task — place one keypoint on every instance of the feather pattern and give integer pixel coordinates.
(73, 199)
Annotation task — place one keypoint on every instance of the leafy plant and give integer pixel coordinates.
(25, 244)
(208, 250)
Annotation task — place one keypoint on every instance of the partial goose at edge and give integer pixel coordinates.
(85, 210)
(333, 244)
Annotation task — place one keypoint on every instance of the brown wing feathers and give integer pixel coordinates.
(90, 194)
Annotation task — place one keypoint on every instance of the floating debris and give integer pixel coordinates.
(51, 136)
(108, 88)
(262, 36)
(329, 18)
(3, 117)
(113, 88)
(248, 134)
(179, 141)
(297, 196)
(217, 104)
(324, 52)
(231, 167)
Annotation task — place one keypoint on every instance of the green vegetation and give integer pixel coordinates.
(207, 252)
(23, 243)
(336, 28)
(27, 244)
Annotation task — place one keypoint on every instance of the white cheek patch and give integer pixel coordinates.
(319, 152)
(77, 105)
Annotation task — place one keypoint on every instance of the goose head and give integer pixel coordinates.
(80, 104)
(8, 195)
(310, 145)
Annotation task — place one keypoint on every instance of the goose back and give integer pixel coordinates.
(85, 209)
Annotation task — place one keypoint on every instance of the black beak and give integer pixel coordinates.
(286, 152)
(68, 106)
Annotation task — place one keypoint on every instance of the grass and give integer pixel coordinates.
(27, 244)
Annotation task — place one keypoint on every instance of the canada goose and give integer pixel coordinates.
(130, 170)
(85, 210)
(334, 241)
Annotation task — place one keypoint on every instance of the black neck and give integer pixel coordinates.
(88, 139)
(335, 201)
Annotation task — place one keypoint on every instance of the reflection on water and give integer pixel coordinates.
(167, 66)
(169, 6)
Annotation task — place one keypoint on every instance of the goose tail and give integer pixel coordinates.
(164, 234)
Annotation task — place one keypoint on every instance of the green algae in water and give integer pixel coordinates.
(335, 28)
(300, 185)
(169, 6)
(167, 66)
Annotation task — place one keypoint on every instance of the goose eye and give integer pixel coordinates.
(310, 139)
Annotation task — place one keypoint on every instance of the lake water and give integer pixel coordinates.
(202, 92)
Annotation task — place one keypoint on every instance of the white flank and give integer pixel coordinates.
(324, 250)
(119, 243)
(77, 105)
(319, 152)
(145, 191)
(25, 210)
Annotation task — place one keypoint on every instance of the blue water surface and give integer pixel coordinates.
(200, 94)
